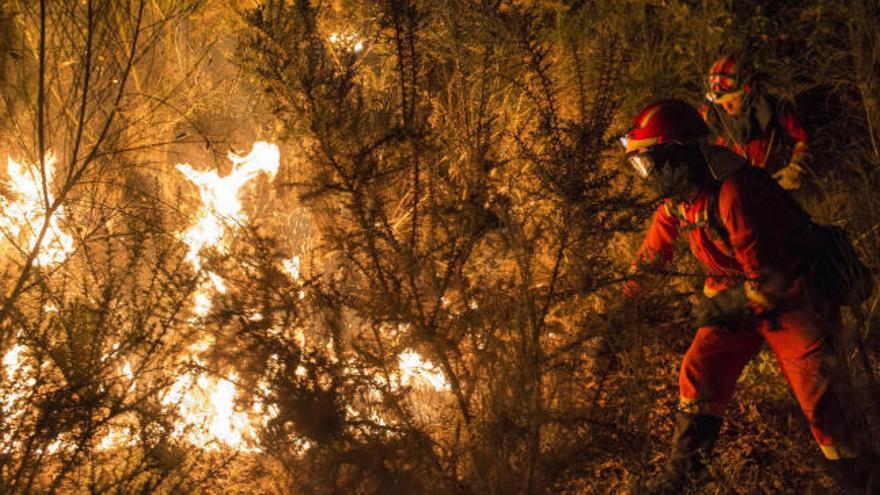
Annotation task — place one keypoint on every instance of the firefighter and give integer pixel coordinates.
(739, 224)
(760, 127)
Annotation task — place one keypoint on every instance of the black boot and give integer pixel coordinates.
(695, 436)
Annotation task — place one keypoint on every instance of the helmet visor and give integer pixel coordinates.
(640, 161)
(720, 97)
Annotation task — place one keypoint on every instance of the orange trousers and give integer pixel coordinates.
(799, 339)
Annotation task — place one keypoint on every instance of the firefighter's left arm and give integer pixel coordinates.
(789, 177)
(758, 220)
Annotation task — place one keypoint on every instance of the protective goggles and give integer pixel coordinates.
(644, 161)
(641, 161)
(722, 86)
(723, 97)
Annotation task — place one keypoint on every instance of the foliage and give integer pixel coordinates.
(425, 297)
(96, 293)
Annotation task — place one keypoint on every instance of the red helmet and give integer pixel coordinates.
(726, 80)
(665, 121)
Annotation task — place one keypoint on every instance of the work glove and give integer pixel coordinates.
(789, 176)
(728, 308)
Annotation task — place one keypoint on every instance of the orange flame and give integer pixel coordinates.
(23, 217)
(205, 403)
(417, 371)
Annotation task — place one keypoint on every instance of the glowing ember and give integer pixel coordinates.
(417, 371)
(12, 360)
(291, 266)
(24, 216)
(350, 41)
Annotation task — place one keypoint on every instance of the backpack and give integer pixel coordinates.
(834, 272)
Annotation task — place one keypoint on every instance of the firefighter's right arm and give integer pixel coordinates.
(659, 243)
(657, 247)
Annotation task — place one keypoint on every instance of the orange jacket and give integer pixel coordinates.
(777, 124)
(757, 219)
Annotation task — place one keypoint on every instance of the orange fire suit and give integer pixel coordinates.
(762, 129)
(758, 222)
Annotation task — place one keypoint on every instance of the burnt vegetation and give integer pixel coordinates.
(425, 296)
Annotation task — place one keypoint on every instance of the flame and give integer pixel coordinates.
(12, 360)
(221, 209)
(207, 404)
(15, 390)
(416, 371)
(127, 372)
(207, 409)
(346, 41)
(23, 217)
(227, 425)
(220, 204)
(291, 266)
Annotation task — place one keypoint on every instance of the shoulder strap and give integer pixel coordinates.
(722, 161)
(714, 221)
(765, 111)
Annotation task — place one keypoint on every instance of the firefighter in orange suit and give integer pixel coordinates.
(758, 126)
(740, 225)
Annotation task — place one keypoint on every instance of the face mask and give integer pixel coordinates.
(672, 181)
(672, 170)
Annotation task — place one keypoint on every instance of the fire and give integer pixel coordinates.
(291, 266)
(24, 216)
(16, 388)
(207, 404)
(12, 360)
(346, 41)
(220, 204)
(227, 425)
(414, 370)
(222, 209)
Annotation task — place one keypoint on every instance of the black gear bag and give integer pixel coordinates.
(835, 274)
(834, 271)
